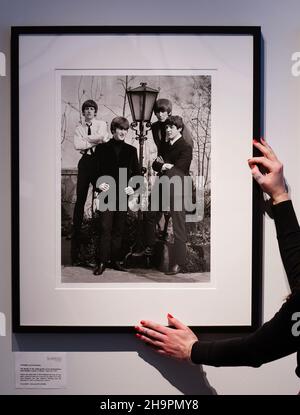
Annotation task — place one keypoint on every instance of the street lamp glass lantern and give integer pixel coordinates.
(141, 102)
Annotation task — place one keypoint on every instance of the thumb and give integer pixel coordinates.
(257, 175)
(255, 170)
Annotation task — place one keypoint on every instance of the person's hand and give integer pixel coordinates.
(159, 159)
(175, 341)
(129, 190)
(104, 187)
(272, 181)
(167, 166)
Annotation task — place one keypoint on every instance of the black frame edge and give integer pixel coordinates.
(15, 209)
(257, 213)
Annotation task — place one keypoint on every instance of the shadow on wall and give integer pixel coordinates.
(188, 379)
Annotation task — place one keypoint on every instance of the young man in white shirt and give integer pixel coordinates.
(88, 134)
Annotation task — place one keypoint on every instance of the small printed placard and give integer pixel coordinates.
(40, 370)
(2, 64)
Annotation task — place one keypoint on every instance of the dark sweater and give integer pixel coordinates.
(274, 339)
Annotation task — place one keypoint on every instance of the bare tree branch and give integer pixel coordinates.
(110, 110)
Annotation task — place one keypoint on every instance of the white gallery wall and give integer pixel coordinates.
(117, 363)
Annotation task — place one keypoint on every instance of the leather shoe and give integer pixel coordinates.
(175, 269)
(99, 269)
(117, 266)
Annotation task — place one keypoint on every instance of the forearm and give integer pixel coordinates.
(80, 143)
(231, 352)
(272, 341)
(97, 138)
(235, 352)
(288, 235)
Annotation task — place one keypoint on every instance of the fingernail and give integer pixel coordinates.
(255, 141)
(136, 327)
(137, 335)
(142, 322)
(170, 315)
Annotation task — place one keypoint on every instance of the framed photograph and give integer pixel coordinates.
(101, 115)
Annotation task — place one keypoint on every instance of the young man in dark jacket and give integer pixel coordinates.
(111, 157)
(174, 162)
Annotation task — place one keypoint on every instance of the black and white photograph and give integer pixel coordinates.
(99, 128)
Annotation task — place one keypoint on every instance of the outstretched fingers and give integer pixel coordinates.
(154, 326)
(174, 341)
(143, 331)
(152, 334)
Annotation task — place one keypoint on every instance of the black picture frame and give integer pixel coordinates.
(17, 33)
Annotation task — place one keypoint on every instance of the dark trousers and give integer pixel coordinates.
(150, 220)
(111, 227)
(179, 229)
(85, 176)
(178, 219)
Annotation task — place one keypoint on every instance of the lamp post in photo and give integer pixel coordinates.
(141, 101)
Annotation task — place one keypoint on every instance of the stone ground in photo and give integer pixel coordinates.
(85, 275)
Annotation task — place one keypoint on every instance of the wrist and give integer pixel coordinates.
(189, 351)
(281, 197)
